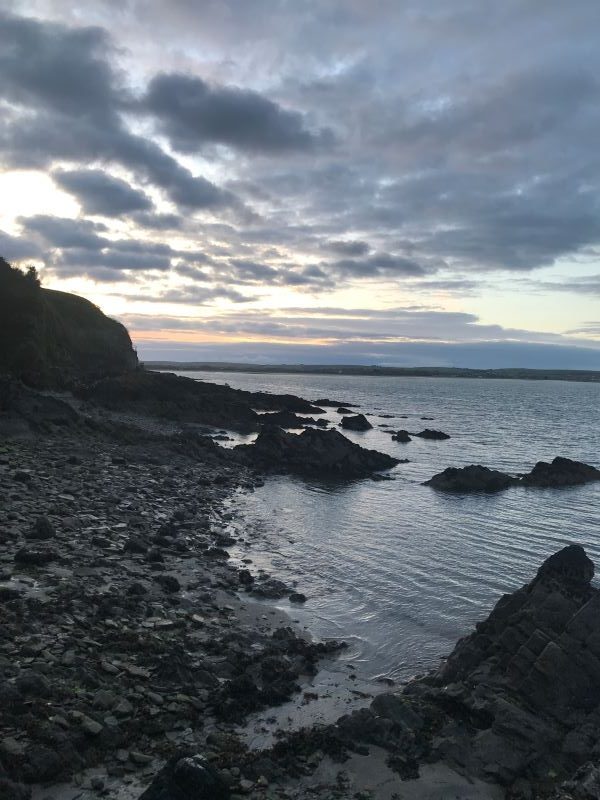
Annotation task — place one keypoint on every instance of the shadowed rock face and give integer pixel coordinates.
(518, 700)
(314, 452)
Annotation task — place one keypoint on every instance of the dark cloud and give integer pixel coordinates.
(192, 113)
(380, 265)
(69, 105)
(350, 248)
(17, 248)
(101, 193)
(66, 233)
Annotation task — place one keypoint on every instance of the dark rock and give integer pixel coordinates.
(569, 568)
(271, 588)
(313, 452)
(216, 553)
(330, 403)
(401, 436)
(189, 777)
(357, 422)
(342, 410)
(168, 582)
(297, 597)
(35, 558)
(9, 790)
(245, 577)
(561, 472)
(155, 556)
(473, 478)
(34, 684)
(428, 433)
(41, 530)
(23, 476)
(42, 764)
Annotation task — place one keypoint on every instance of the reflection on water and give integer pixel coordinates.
(403, 568)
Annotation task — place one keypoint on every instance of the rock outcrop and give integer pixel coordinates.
(473, 478)
(357, 422)
(561, 472)
(163, 394)
(187, 777)
(314, 452)
(429, 433)
(517, 702)
(401, 436)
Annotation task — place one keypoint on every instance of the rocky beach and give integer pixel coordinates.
(138, 659)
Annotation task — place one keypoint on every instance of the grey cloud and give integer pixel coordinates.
(192, 113)
(17, 248)
(351, 248)
(380, 264)
(63, 232)
(70, 103)
(101, 193)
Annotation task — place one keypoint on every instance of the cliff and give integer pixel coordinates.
(55, 339)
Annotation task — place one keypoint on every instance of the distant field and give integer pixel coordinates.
(344, 369)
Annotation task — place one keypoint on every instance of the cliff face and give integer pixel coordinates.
(51, 339)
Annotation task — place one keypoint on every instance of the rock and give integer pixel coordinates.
(41, 530)
(271, 588)
(169, 583)
(358, 422)
(135, 545)
(561, 472)
(313, 452)
(33, 684)
(342, 410)
(401, 436)
(35, 558)
(473, 478)
(187, 778)
(428, 433)
(297, 597)
(568, 568)
(155, 556)
(9, 790)
(329, 403)
(42, 764)
(245, 577)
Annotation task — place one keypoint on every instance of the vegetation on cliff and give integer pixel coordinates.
(52, 339)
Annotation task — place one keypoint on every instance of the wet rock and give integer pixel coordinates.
(34, 557)
(169, 583)
(473, 478)
(10, 790)
(245, 577)
(313, 452)
(326, 402)
(297, 597)
(342, 410)
(135, 545)
(561, 472)
(357, 422)
(33, 684)
(271, 588)
(41, 764)
(41, 530)
(428, 433)
(187, 778)
(401, 436)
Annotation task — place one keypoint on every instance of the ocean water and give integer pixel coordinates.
(402, 571)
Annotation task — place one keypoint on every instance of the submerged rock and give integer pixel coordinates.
(189, 777)
(473, 478)
(356, 423)
(314, 452)
(561, 472)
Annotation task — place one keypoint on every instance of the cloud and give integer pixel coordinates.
(67, 103)
(192, 113)
(102, 194)
(17, 248)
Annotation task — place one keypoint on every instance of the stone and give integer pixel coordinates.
(561, 472)
(41, 530)
(429, 433)
(401, 436)
(33, 557)
(169, 583)
(189, 777)
(473, 478)
(357, 422)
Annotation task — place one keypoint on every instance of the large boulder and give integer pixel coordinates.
(313, 452)
(357, 422)
(188, 777)
(473, 478)
(401, 436)
(561, 472)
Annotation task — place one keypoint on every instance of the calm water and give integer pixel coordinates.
(398, 569)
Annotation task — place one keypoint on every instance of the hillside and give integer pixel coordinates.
(54, 339)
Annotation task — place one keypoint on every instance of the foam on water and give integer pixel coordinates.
(400, 569)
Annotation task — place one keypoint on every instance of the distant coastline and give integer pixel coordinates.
(582, 376)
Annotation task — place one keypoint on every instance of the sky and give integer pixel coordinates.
(394, 182)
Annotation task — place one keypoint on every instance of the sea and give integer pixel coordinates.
(397, 569)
